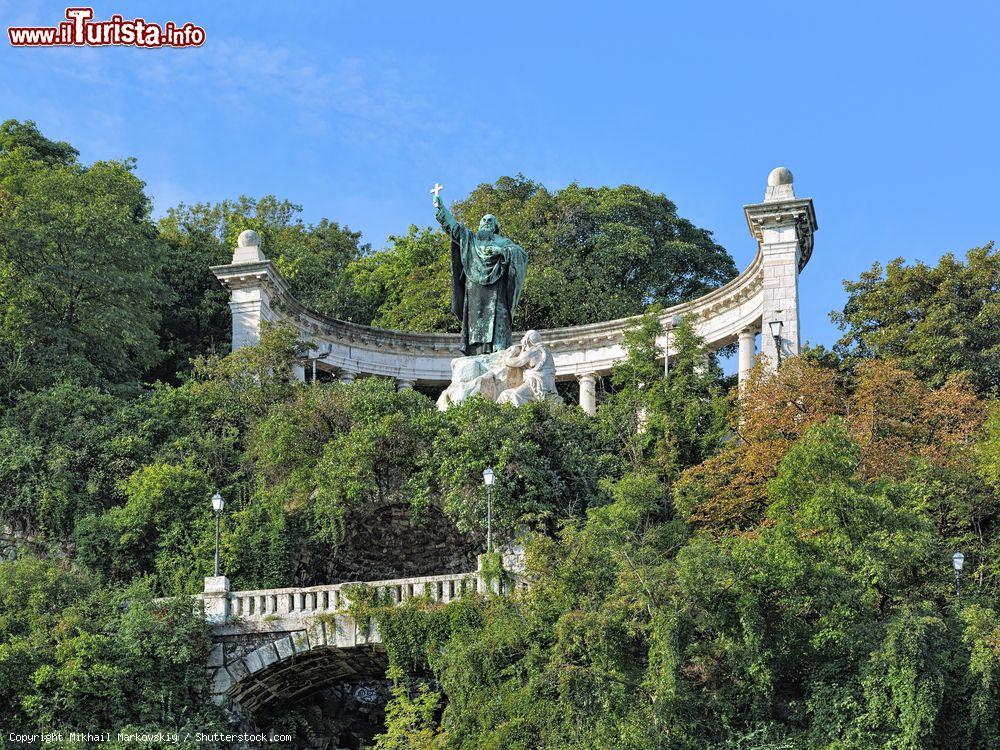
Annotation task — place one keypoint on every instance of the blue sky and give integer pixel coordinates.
(887, 113)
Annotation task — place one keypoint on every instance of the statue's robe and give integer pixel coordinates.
(487, 277)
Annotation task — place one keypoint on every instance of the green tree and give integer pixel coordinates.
(332, 450)
(549, 460)
(936, 320)
(327, 452)
(34, 146)
(162, 530)
(982, 637)
(312, 257)
(667, 421)
(63, 451)
(905, 682)
(197, 322)
(74, 656)
(407, 286)
(78, 255)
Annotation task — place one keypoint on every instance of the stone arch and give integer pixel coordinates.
(290, 665)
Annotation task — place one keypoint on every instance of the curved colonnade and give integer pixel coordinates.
(765, 292)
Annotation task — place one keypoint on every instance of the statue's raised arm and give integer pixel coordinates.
(448, 222)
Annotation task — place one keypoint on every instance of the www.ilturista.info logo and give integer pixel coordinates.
(80, 30)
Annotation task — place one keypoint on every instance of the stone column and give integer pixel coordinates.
(588, 392)
(747, 346)
(783, 227)
(216, 599)
(299, 372)
(404, 384)
(250, 278)
(347, 375)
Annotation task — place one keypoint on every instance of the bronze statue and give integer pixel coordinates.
(487, 277)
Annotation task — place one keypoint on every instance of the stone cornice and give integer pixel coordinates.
(772, 213)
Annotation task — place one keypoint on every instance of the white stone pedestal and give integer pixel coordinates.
(216, 599)
(478, 375)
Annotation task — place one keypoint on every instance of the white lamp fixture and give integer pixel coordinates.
(775, 326)
(957, 562)
(218, 503)
(488, 476)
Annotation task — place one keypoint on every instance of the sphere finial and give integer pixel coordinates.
(779, 176)
(248, 238)
(779, 185)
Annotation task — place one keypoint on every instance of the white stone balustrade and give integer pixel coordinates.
(270, 604)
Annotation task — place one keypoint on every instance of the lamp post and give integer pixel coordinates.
(315, 354)
(957, 562)
(217, 505)
(488, 479)
(775, 326)
(675, 321)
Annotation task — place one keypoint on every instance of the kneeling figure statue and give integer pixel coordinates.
(516, 375)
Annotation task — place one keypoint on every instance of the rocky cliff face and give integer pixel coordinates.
(385, 543)
(18, 541)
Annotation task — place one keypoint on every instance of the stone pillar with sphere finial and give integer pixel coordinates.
(251, 296)
(783, 226)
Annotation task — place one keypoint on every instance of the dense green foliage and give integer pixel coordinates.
(832, 625)
(756, 569)
(79, 294)
(76, 657)
(934, 320)
(312, 257)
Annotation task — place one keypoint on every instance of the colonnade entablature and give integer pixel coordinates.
(766, 291)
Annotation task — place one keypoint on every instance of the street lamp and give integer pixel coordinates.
(217, 505)
(488, 479)
(318, 355)
(957, 561)
(776, 335)
(675, 321)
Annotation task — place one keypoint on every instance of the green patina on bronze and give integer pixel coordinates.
(487, 276)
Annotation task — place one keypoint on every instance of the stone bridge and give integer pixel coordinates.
(274, 646)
